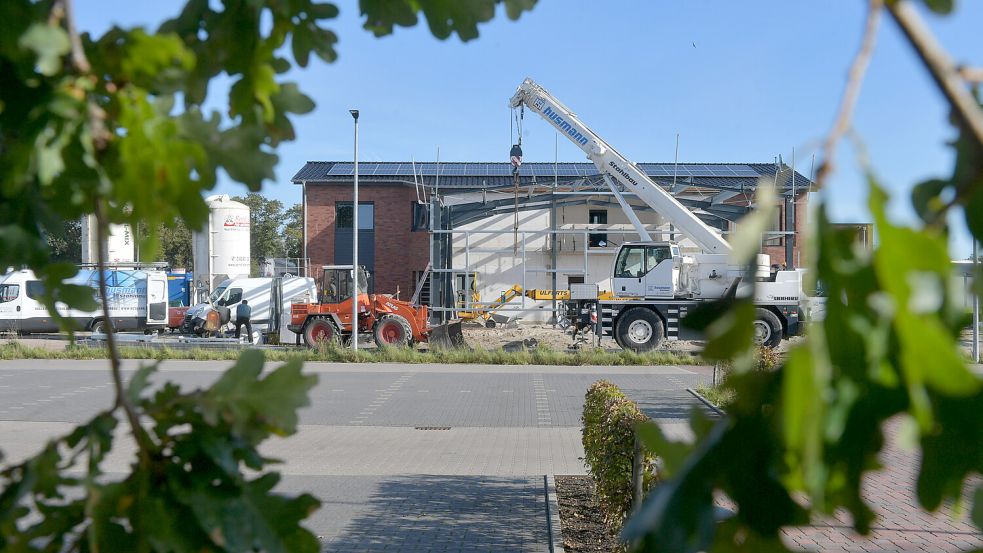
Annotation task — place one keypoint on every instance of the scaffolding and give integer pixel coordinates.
(443, 268)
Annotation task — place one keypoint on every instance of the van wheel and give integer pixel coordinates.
(767, 328)
(320, 330)
(98, 326)
(639, 329)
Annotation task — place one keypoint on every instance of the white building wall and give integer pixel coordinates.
(502, 268)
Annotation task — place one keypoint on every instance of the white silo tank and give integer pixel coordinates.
(119, 245)
(221, 251)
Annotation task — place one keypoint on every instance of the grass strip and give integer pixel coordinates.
(331, 353)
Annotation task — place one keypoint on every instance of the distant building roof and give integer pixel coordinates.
(734, 177)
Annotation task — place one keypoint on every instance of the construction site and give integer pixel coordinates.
(607, 253)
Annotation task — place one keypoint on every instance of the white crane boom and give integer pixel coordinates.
(610, 162)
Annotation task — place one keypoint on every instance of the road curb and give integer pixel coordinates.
(553, 515)
(706, 402)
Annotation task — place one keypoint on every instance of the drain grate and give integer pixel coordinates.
(431, 428)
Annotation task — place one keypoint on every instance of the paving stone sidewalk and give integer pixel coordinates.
(427, 513)
(901, 525)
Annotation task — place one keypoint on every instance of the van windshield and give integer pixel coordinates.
(217, 293)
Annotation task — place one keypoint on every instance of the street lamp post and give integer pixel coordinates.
(354, 113)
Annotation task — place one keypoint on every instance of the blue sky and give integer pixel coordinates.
(739, 82)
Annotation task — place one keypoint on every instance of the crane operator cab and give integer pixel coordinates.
(646, 270)
(336, 283)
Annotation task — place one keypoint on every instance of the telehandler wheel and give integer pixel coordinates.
(767, 328)
(393, 331)
(320, 330)
(639, 329)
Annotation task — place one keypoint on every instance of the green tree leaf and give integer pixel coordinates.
(255, 406)
(256, 519)
(443, 17)
(49, 44)
(943, 7)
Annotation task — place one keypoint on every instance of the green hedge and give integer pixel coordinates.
(609, 422)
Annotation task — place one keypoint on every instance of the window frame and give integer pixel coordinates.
(348, 204)
(594, 239)
(645, 249)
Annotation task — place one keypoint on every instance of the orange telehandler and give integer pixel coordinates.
(392, 322)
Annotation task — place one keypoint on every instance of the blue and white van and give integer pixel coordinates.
(137, 301)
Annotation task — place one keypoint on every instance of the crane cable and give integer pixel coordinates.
(516, 157)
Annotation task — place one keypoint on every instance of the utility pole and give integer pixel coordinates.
(354, 113)
(976, 303)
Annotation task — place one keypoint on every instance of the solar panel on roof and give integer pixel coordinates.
(341, 169)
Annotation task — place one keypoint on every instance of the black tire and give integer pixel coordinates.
(767, 328)
(639, 329)
(490, 323)
(98, 326)
(393, 331)
(320, 330)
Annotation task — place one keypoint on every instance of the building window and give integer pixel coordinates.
(598, 217)
(344, 215)
(419, 217)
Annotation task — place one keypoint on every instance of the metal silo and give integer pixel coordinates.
(221, 251)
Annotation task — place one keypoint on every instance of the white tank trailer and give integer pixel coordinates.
(119, 246)
(221, 250)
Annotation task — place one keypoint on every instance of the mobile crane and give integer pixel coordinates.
(654, 284)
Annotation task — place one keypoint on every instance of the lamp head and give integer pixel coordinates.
(354, 113)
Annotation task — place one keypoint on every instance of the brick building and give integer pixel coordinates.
(481, 201)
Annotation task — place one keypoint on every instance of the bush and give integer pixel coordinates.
(609, 422)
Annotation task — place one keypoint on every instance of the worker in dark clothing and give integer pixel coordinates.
(242, 318)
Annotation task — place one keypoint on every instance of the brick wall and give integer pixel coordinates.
(777, 253)
(398, 251)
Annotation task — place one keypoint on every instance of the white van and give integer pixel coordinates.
(137, 301)
(266, 296)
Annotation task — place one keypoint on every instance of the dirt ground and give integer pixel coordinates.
(584, 530)
(541, 334)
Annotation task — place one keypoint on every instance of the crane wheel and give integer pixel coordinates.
(393, 331)
(767, 328)
(320, 330)
(639, 329)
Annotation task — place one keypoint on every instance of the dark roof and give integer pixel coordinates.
(491, 175)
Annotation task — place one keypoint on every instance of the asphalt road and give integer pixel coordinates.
(405, 456)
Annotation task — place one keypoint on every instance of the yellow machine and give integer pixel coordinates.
(474, 310)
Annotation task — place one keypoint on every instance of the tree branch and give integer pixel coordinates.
(851, 92)
(972, 75)
(122, 401)
(79, 59)
(97, 116)
(945, 73)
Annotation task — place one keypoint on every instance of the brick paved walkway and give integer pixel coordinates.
(901, 525)
(418, 513)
